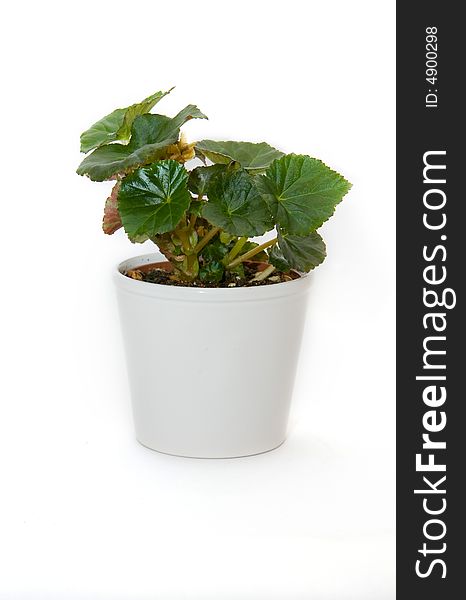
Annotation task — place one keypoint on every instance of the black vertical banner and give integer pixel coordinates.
(431, 266)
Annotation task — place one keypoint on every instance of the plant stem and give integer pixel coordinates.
(236, 249)
(183, 237)
(192, 222)
(264, 274)
(206, 239)
(251, 253)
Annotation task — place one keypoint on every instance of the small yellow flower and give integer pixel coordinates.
(181, 151)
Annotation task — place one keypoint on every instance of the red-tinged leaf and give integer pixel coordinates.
(112, 220)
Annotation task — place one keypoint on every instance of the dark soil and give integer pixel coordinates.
(161, 273)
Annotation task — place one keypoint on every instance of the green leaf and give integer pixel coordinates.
(252, 157)
(238, 271)
(211, 272)
(277, 259)
(236, 206)
(150, 134)
(150, 129)
(107, 161)
(302, 253)
(189, 112)
(301, 192)
(212, 267)
(152, 200)
(195, 208)
(165, 127)
(117, 125)
(214, 251)
(226, 238)
(201, 177)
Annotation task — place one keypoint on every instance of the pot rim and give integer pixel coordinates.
(185, 293)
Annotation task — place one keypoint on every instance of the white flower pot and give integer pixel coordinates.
(211, 370)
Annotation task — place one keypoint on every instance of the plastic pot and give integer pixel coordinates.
(211, 370)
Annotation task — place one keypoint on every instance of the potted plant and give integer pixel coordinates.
(212, 323)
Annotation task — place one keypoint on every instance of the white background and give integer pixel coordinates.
(86, 512)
